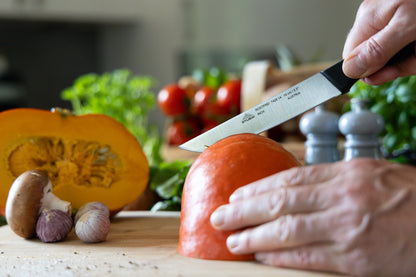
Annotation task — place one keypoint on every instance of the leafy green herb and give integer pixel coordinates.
(173, 204)
(213, 77)
(3, 221)
(167, 179)
(124, 97)
(396, 103)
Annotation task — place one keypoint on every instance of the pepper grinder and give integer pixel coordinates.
(320, 128)
(361, 128)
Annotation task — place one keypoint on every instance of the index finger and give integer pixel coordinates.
(375, 39)
(369, 20)
(296, 176)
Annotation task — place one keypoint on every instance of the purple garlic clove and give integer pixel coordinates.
(53, 225)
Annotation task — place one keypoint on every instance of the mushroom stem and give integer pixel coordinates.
(51, 201)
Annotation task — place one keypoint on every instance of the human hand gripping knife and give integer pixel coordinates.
(298, 99)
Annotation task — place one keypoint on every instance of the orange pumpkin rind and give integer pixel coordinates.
(88, 157)
(222, 168)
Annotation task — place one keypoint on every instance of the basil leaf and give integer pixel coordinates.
(396, 102)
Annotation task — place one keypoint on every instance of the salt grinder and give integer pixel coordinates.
(361, 128)
(320, 128)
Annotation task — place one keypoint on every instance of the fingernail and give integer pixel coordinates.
(217, 217)
(232, 242)
(354, 67)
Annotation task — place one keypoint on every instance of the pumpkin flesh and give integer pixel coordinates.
(88, 158)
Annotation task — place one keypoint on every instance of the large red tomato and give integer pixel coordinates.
(229, 96)
(222, 168)
(180, 131)
(173, 100)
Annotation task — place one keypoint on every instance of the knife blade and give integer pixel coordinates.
(288, 104)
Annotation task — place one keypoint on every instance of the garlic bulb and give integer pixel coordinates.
(93, 226)
(91, 206)
(53, 225)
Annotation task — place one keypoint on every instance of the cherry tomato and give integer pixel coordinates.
(207, 108)
(180, 131)
(229, 96)
(209, 125)
(214, 113)
(202, 98)
(173, 100)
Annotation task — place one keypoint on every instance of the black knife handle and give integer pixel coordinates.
(403, 54)
(337, 77)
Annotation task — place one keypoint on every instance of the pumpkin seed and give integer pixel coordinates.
(76, 162)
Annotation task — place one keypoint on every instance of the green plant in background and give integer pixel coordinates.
(213, 77)
(167, 180)
(396, 103)
(123, 96)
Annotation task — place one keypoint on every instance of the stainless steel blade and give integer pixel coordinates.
(282, 107)
(300, 98)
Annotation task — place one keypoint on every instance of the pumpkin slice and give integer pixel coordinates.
(217, 172)
(88, 157)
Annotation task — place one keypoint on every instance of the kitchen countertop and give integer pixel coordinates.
(140, 243)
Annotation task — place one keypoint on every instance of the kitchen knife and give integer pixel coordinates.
(298, 99)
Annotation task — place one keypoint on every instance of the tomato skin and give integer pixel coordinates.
(202, 98)
(213, 112)
(229, 96)
(180, 131)
(208, 125)
(173, 100)
(206, 107)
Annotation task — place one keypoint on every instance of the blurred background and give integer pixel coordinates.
(46, 44)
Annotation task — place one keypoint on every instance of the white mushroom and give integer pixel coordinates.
(29, 194)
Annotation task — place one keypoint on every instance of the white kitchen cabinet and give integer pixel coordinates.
(94, 11)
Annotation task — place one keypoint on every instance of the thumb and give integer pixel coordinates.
(372, 55)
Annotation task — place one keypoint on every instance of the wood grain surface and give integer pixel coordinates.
(140, 243)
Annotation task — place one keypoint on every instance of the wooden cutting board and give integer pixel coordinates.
(139, 244)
